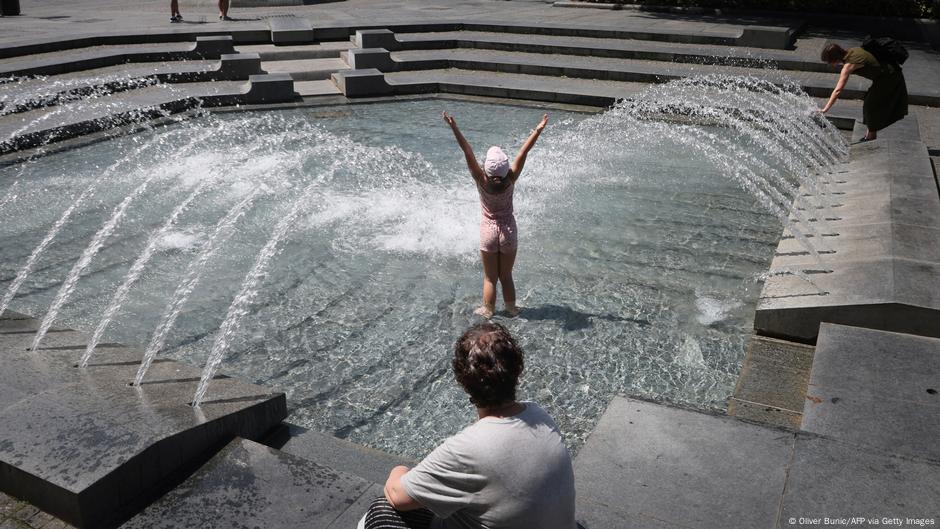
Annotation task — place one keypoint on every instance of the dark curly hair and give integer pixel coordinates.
(832, 53)
(487, 364)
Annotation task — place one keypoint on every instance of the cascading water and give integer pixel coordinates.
(641, 241)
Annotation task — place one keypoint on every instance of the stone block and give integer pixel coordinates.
(269, 88)
(362, 83)
(290, 30)
(213, 47)
(362, 59)
(681, 468)
(236, 66)
(773, 37)
(367, 463)
(875, 388)
(377, 38)
(84, 445)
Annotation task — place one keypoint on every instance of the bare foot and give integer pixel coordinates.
(485, 311)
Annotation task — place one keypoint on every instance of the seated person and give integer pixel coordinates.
(508, 470)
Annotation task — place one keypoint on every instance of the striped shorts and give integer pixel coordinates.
(382, 515)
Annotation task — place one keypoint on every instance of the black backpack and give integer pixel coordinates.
(885, 49)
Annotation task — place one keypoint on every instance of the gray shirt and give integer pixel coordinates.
(498, 473)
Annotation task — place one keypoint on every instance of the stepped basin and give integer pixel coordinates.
(337, 249)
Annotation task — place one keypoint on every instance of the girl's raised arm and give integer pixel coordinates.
(519, 162)
(475, 170)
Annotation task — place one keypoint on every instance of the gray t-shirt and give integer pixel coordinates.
(498, 473)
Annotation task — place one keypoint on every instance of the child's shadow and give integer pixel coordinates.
(571, 319)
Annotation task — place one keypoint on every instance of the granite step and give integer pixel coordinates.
(316, 88)
(32, 93)
(609, 69)
(306, 69)
(616, 48)
(270, 52)
(323, 449)
(248, 484)
(647, 465)
(587, 92)
(73, 60)
(52, 124)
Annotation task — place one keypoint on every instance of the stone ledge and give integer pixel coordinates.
(85, 446)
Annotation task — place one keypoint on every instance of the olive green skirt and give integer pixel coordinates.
(886, 100)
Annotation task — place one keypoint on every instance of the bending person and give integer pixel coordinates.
(498, 234)
(508, 470)
(886, 99)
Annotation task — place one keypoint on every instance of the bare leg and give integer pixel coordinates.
(174, 8)
(223, 8)
(490, 278)
(506, 261)
(871, 134)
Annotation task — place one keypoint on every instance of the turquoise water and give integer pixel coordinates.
(637, 267)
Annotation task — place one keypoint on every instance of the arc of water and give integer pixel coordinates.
(65, 291)
(120, 295)
(27, 268)
(185, 288)
(239, 306)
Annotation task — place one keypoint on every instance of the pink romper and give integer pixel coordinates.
(497, 223)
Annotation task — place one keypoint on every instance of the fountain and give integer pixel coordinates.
(325, 255)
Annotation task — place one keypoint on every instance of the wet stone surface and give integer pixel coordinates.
(249, 485)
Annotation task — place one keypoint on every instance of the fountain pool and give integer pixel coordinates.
(347, 237)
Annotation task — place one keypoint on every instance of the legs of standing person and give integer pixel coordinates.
(175, 15)
(490, 278)
(223, 9)
(507, 258)
(382, 515)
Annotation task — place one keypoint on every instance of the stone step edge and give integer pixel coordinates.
(208, 47)
(262, 35)
(259, 89)
(230, 67)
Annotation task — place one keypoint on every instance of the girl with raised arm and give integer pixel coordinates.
(498, 235)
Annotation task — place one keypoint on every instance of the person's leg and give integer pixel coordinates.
(507, 258)
(490, 278)
(223, 9)
(174, 8)
(382, 515)
(871, 135)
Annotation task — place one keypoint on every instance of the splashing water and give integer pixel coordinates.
(136, 270)
(186, 287)
(355, 288)
(239, 307)
(89, 254)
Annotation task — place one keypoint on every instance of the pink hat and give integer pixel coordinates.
(496, 164)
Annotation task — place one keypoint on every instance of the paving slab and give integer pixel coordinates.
(829, 479)
(647, 464)
(84, 445)
(876, 388)
(251, 485)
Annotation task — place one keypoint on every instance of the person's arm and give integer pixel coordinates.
(847, 70)
(475, 170)
(395, 493)
(519, 162)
